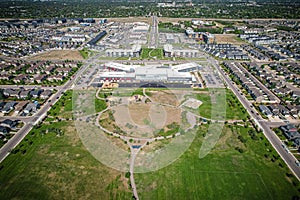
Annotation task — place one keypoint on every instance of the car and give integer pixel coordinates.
(297, 163)
(49, 100)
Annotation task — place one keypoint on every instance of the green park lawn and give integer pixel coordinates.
(86, 53)
(148, 53)
(52, 163)
(225, 173)
(212, 105)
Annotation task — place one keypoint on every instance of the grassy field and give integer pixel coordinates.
(52, 163)
(148, 53)
(225, 173)
(234, 109)
(86, 53)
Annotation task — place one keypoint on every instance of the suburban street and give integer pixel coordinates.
(37, 117)
(288, 158)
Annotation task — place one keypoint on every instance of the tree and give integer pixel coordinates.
(127, 175)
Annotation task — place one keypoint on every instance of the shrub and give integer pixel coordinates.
(127, 174)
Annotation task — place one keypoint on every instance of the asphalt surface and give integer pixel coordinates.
(30, 121)
(288, 158)
(153, 33)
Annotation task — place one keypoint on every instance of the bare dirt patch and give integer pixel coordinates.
(228, 38)
(57, 55)
(139, 113)
(165, 97)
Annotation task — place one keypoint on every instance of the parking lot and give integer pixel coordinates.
(211, 77)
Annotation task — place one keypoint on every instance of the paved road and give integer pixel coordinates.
(30, 121)
(153, 33)
(288, 158)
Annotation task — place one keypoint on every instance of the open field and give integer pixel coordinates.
(242, 165)
(234, 109)
(57, 55)
(140, 112)
(148, 53)
(165, 97)
(52, 163)
(225, 173)
(228, 39)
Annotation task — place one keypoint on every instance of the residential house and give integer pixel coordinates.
(288, 128)
(11, 93)
(291, 135)
(2, 104)
(4, 130)
(24, 94)
(50, 69)
(55, 78)
(31, 107)
(274, 109)
(8, 107)
(296, 94)
(257, 95)
(282, 91)
(36, 93)
(40, 78)
(11, 124)
(46, 94)
(284, 111)
(20, 78)
(265, 110)
(20, 106)
(32, 69)
(296, 142)
(64, 71)
(293, 110)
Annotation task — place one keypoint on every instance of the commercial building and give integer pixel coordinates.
(135, 51)
(115, 72)
(169, 51)
(199, 36)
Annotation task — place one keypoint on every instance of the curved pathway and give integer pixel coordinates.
(191, 118)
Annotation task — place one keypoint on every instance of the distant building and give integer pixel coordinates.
(170, 52)
(135, 51)
(200, 36)
(115, 72)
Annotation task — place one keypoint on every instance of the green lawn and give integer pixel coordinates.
(214, 102)
(87, 104)
(158, 53)
(52, 163)
(148, 53)
(224, 173)
(86, 53)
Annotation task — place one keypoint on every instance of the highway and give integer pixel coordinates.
(288, 158)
